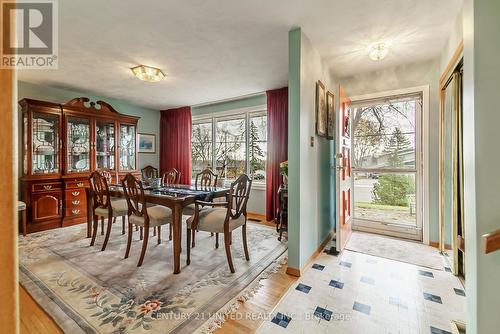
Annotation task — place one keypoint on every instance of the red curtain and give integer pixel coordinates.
(175, 142)
(277, 145)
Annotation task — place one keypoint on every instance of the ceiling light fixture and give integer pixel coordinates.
(148, 73)
(378, 51)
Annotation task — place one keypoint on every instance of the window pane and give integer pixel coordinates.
(258, 148)
(201, 147)
(384, 135)
(385, 197)
(230, 150)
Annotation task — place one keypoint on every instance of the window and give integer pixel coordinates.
(201, 147)
(230, 145)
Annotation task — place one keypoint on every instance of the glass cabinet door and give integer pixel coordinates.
(78, 145)
(105, 145)
(45, 143)
(127, 147)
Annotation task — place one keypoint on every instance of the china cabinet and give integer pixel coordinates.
(61, 145)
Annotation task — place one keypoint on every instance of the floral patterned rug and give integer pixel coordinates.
(89, 291)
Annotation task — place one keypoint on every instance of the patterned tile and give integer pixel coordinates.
(426, 273)
(363, 308)
(435, 330)
(318, 266)
(281, 320)
(459, 292)
(336, 284)
(303, 288)
(367, 280)
(323, 313)
(346, 264)
(432, 298)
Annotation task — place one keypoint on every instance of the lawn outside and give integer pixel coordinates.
(384, 213)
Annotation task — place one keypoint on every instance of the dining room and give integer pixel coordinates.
(134, 215)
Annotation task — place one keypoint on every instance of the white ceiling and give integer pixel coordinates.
(219, 49)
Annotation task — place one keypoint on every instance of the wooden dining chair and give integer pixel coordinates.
(171, 177)
(105, 206)
(112, 178)
(205, 179)
(149, 172)
(142, 215)
(223, 217)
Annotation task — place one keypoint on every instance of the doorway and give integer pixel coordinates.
(387, 160)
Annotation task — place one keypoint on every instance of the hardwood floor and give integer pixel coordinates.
(246, 319)
(34, 320)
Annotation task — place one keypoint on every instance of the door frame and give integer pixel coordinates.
(423, 162)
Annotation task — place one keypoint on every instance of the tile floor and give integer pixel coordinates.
(359, 293)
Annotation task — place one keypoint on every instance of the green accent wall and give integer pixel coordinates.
(244, 102)
(481, 120)
(294, 39)
(149, 121)
(311, 168)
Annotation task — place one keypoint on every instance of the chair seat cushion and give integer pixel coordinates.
(22, 206)
(212, 220)
(158, 215)
(119, 206)
(188, 210)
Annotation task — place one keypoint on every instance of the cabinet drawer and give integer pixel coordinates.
(77, 184)
(49, 186)
(75, 194)
(75, 202)
(74, 212)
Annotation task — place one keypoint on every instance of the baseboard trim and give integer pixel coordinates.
(298, 272)
(256, 216)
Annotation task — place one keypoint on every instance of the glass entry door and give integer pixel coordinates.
(386, 182)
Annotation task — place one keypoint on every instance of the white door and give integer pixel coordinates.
(343, 157)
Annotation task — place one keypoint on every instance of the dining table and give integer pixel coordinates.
(175, 197)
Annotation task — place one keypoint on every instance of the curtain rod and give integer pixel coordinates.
(227, 100)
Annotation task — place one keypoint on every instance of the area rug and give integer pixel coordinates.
(396, 249)
(89, 291)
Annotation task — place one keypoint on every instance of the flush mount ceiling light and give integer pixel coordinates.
(378, 51)
(148, 73)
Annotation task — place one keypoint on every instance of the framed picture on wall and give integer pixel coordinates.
(321, 117)
(147, 143)
(330, 112)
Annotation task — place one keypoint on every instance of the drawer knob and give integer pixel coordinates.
(75, 211)
(76, 202)
(75, 193)
(80, 184)
(47, 187)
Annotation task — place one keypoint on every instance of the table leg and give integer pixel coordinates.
(177, 235)
(89, 212)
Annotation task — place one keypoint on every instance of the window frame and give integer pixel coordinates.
(233, 114)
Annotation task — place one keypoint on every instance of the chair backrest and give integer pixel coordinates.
(173, 176)
(206, 178)
(238, 196)
(134, 194)
(109, 174)
(149, 172)
(99, 190)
